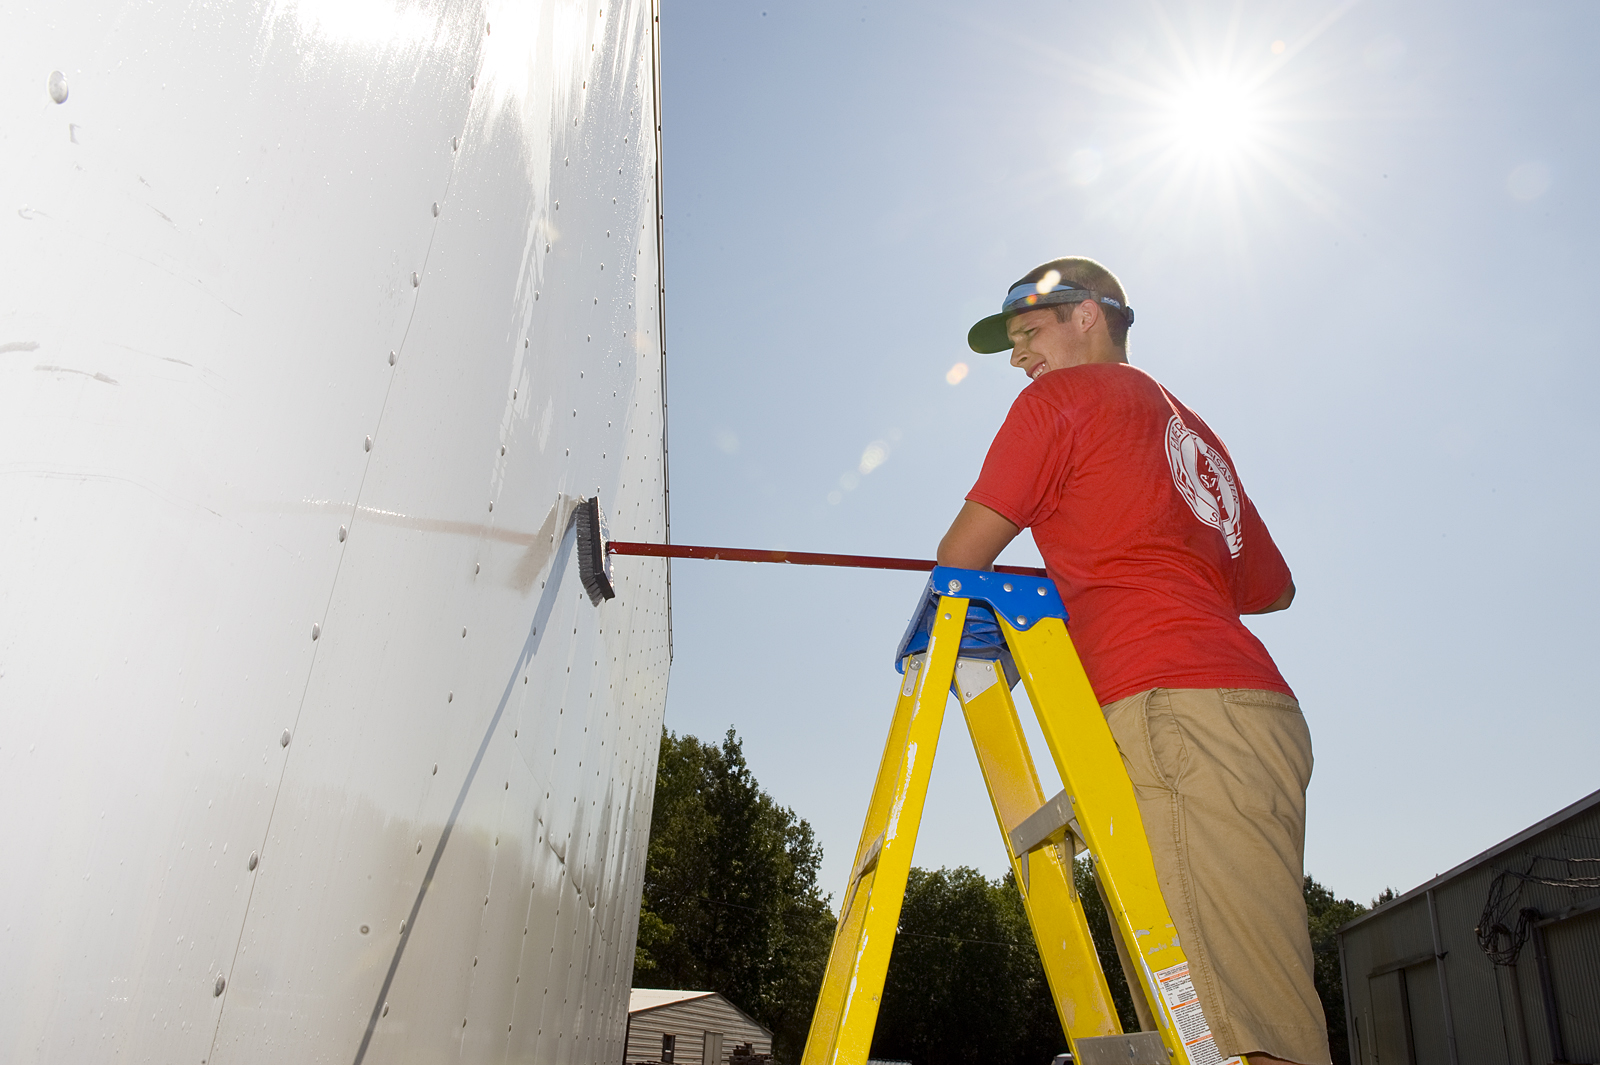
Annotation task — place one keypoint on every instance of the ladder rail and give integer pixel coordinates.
(1044, 873)
(847, 934)
(852, 987)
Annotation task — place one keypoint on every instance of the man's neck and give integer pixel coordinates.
(1104, 353)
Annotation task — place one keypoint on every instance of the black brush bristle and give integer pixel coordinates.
(590, 529)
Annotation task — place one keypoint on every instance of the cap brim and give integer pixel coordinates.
(989, 336)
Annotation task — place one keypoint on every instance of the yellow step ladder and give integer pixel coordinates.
(976, 632)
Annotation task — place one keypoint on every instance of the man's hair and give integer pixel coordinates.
(1102, 282)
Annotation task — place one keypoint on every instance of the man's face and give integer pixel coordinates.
(1041, 343)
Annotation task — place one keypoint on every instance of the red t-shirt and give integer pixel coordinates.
(1144, 527)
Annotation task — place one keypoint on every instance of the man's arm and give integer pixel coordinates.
(1280, 603)
(977, 537)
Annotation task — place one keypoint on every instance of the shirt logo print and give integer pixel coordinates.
(1203, 478)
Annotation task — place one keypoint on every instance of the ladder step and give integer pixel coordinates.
(1133, 1048)
(1045, 826)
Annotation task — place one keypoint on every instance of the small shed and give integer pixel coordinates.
(688, 1028)
(1496, 962)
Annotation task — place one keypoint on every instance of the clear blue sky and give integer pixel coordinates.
(1361, 240)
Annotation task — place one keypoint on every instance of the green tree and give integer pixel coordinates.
(950, 998)
(1324, 914)
(731, 902)
(965, 984)
(1094, 910)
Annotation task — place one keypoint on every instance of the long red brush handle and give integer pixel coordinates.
(793, 558)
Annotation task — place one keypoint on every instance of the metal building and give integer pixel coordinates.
(316, 317)
(1496, 962)
(670, 1027)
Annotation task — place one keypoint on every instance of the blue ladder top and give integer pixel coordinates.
(1022, 601)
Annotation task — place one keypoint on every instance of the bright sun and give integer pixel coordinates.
(1205, 128)
(1213, 118)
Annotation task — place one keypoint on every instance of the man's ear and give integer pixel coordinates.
(1087, 314)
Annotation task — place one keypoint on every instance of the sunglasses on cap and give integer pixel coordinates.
(989, 335)
(1027, 296)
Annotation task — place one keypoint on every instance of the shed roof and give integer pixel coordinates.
(649, 998)
(646, 999)
(1472, 863)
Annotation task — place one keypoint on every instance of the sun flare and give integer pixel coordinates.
(1209, 124)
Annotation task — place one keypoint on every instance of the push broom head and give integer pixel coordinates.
(594, 560)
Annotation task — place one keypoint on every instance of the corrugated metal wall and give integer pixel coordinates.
(693, 1022)
(1420, 990)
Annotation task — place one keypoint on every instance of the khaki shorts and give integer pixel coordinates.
(1220, 776)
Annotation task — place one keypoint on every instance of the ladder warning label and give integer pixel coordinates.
(1187, 1017)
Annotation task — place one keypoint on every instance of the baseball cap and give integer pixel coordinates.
(1042, 286)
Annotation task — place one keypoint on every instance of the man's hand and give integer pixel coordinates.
(1280, 603)
(976, 538)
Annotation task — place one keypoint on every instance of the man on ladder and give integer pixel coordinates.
(1146, 531)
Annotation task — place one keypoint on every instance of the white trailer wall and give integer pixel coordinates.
(315, 317)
